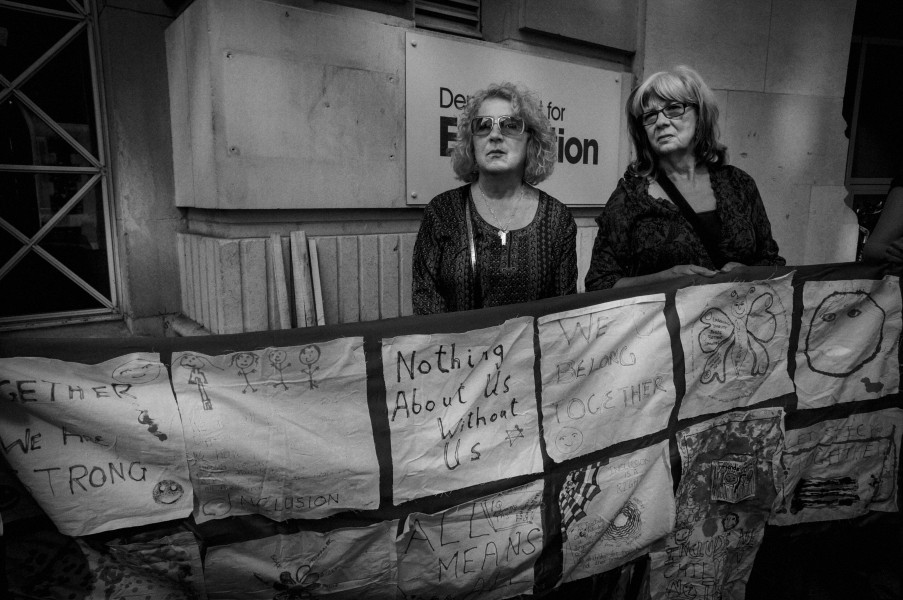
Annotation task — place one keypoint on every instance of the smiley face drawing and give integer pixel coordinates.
(217, 507)
(569, 440)
(137, 371)
(845, 333)
(167, 491)
(277, 357)
(309, 354)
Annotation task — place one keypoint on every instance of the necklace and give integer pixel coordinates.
(503, 229)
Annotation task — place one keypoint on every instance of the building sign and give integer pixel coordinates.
(583, 103)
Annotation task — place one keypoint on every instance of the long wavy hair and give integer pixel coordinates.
(682, 84)
(541, 145)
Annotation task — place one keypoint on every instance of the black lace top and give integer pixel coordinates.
(640, 235)
(539, 260)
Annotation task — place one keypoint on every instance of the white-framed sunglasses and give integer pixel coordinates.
(508, 125)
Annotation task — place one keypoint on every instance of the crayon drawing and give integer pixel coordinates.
(345, 564)
(99, 447)
(274, 445)
(849, 338)
(839, 469)
(607, 375)
(612, 511)
(735, 338)
(723, 501)
(483, 549)
(462, 408)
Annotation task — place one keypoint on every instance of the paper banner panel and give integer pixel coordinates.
(284, 432)
(735, 338)
(849, 339)
(607, 375)
(723, 501)
(462, 408)
(347, 563)
(611, 512)
(100, 447)
(482, 549)
(839, 469)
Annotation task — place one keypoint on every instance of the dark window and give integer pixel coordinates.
(55, 249)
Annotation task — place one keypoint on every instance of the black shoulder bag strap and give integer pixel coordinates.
(711, 246)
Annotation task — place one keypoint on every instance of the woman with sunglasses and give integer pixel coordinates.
(496, 240)
(679, 209)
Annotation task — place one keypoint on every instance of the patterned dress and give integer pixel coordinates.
(640, 235)
(539, 260)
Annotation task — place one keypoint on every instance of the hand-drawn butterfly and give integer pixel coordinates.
(737, 340)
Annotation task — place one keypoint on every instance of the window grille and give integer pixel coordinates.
(461, 17)
(56, 250)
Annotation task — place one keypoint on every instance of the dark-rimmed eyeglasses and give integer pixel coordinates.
(508, 125)
(671, 111)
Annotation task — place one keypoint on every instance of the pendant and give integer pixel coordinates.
(503, 235)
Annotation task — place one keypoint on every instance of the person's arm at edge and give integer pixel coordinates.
(885, 243)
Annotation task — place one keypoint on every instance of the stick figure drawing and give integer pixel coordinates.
(197, 376)
(245, 361)
(277, 359)
(308, 356)
(736, 340)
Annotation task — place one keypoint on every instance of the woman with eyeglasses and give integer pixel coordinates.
(680, 209)
(497, 239)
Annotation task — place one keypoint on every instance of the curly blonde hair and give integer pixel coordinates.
(541, 146)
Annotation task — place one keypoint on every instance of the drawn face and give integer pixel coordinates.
(569, 440)
(137, 371)
(583, 536)
(217, 507)
(682, 534)
(244, 360)
(845, 333)
(730, 521)
(739, 306)
(497, 507)
(277, 357)
(309, 354)
(192, 361)
(167, 492)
